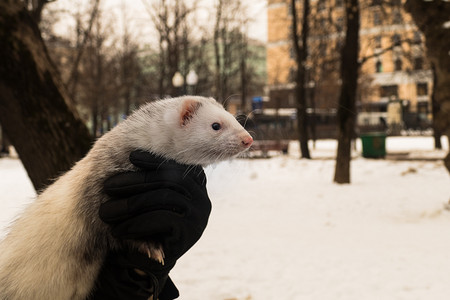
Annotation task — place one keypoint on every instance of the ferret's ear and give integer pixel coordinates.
(189, 108)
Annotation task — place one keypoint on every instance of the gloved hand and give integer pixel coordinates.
(133, 276)
(165, 202)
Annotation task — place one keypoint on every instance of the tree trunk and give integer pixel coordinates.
(347, 98)
(432, 19)
(435, 111)
(300, 78)
(4, 145)
(227, 61)
(162, 74)
(217, 53)
(243, 73)
(35, 112)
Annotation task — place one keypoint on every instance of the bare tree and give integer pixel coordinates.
(35, 8)
(130, 69)
(301, 55)
(347, 97)
(82, 39)
(432, 18)
(99, 63)
(243, 70)
(435, 108)
(171, 19)
(102, 84)
(218, 79)
(34, 109)
(231, 51)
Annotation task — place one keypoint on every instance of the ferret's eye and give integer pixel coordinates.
(216, 126)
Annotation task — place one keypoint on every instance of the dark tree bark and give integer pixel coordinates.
(243, 73)
(435, 110)
(34, 109)
(347, 98)
(35, 7)
(218, 79)
(300, 77)
(432, 19)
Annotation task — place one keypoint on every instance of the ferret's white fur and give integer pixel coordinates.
(55, 248)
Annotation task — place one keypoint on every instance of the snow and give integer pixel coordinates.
(281, 229)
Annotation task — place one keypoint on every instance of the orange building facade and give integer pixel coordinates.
(392, 56)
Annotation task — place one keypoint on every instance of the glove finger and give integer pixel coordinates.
(132, 183)
(127, 183)
(168, 199)
(151, 225)
(172, 231)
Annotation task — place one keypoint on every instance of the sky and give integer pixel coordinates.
(139, 21)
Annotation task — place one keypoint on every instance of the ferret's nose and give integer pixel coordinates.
(247, 141)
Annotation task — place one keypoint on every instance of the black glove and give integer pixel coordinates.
(133, 276)
(165, 202)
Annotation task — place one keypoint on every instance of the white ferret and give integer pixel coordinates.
(55, 249)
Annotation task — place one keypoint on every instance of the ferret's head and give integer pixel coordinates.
(204, 132)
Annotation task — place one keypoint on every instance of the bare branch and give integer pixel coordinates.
(73, 78)
(364, 59)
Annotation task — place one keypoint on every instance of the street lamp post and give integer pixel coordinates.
(177, 82)
(191, 80)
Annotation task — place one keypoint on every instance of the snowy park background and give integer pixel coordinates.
(280, 229)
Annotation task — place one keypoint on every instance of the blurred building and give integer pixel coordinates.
(393, 63)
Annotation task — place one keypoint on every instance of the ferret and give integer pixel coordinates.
(55, 249)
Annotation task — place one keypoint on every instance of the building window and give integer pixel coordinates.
(418, 63)
(387, 91)
(422, 107)
(321, 5)
(375, 2)
(376, 18)
(397, 18)
(422, 89)
(398, 64)
(378, 41)
(396, 40)
(379, 66)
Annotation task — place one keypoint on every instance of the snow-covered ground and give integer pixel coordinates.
(280, 229)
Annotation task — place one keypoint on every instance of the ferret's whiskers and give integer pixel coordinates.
(228, 99)
(248, 116)
(252, 133)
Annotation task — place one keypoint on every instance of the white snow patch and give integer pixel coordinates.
(280, 229)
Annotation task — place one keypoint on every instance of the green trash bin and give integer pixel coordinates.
(373, 144)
